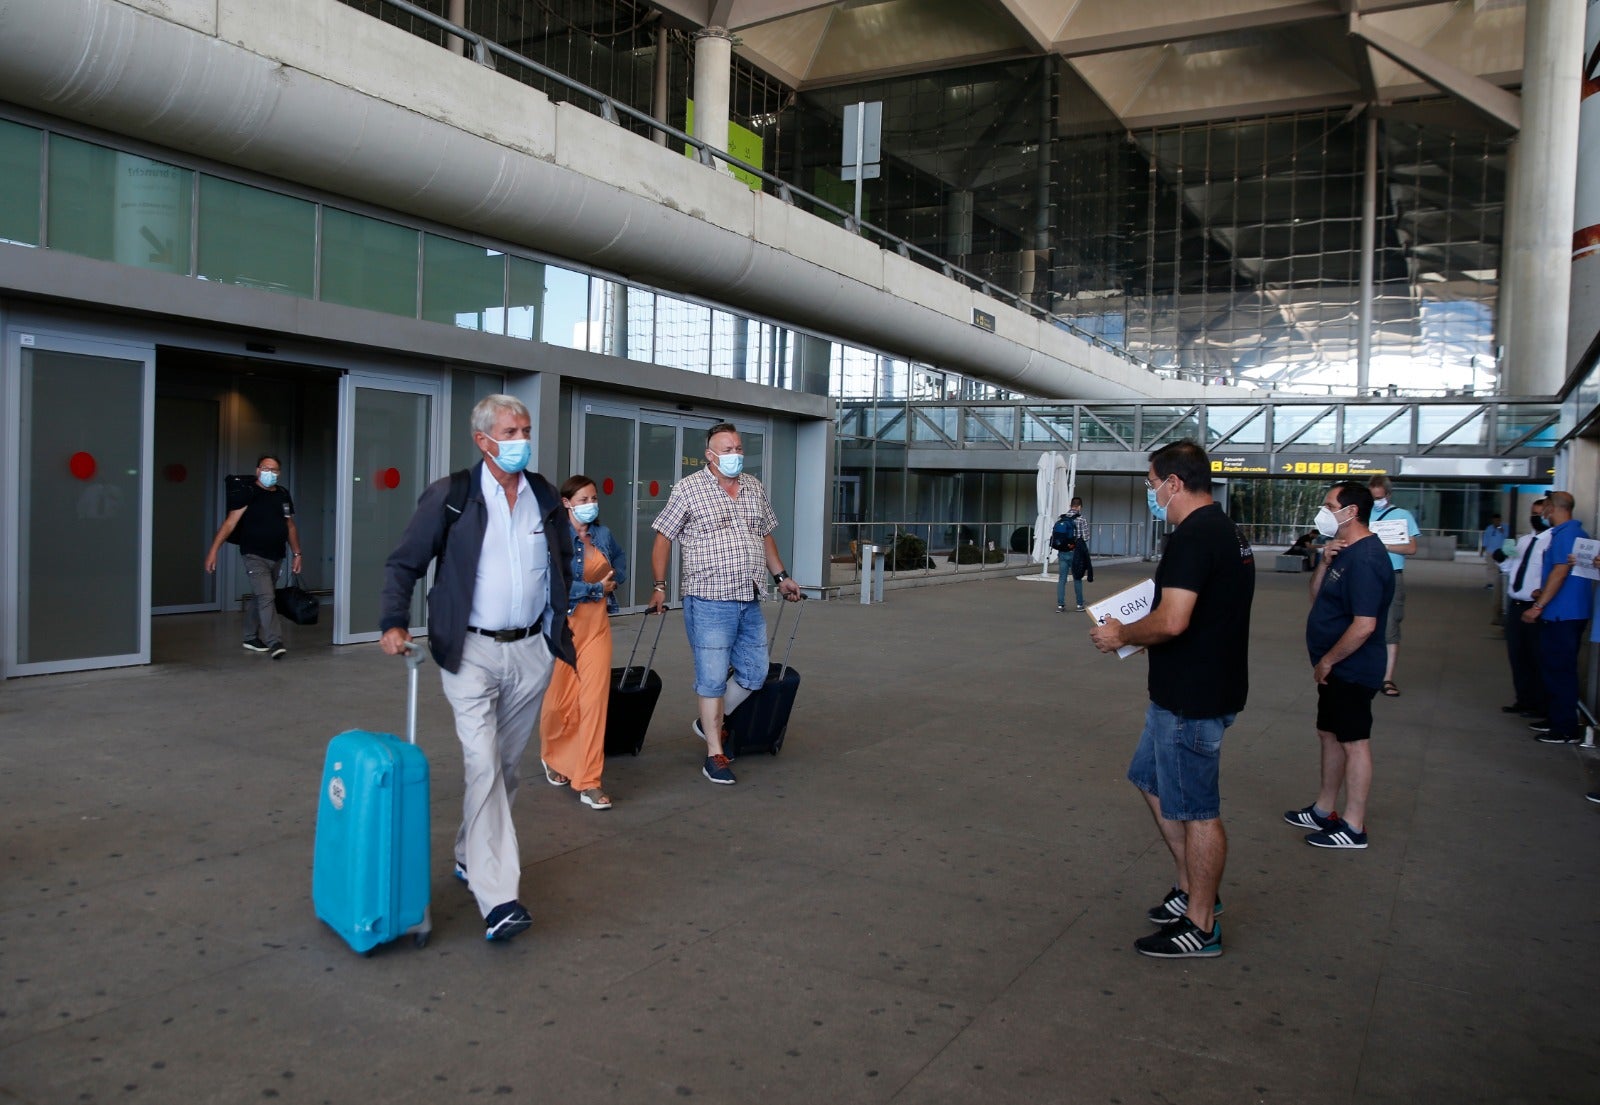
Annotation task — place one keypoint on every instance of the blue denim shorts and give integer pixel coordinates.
(724, 635)
(1177, 761)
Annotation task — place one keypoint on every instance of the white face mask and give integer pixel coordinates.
(1327, 522)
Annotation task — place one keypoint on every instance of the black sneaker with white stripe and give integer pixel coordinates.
(1182, 940)
(1173, 908)
(1338, 835)
(1309, 818)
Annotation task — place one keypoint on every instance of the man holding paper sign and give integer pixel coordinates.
(1561, 607)
(1198, 636)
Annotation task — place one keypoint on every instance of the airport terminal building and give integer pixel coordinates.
(324, 229)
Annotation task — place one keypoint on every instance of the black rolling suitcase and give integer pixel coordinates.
(634, 691)
(762, 720)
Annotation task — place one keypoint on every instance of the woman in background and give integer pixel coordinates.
(572, 722)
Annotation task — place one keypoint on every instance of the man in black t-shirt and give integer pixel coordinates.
(1350, 597)
(1198, 637)
(262, 516)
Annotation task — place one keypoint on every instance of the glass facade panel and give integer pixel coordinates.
(1107, 424)
(683, 335)
(1048, 426)
(463, 285)
(1320, 426)
(1360, 421)
(1515, 423)
(368, 263)
(19, 183)
(1167, 424)
(118, 207)
(256, 238)
(852, 373)
(926, 419)
(1246, 425)
(564, 319)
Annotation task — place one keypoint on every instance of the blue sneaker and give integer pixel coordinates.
(1338, 835)
(1309, 818)
(506, 920)
(1181, 940)
(716, 769)
(461, 873)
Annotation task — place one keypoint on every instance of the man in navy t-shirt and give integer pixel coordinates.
(1350, 596)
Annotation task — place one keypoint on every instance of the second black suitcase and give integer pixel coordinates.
(762, 721)
(634, 692)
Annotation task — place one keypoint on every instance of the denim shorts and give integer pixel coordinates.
(1177, 761)
(724, 635)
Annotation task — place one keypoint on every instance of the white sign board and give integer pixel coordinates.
(1127, 607)
(1584, 550)
(1393, 531)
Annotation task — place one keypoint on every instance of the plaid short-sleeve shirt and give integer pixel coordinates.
(724, 556)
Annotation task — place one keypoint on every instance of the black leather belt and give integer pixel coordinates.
(505, 636)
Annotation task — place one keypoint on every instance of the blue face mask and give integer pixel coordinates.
(268, 479)
(730, 464)
(1158, 512)
(513, 456)
(586, 512)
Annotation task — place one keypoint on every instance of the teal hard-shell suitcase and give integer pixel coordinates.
(370, 871)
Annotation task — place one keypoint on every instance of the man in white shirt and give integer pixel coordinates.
(497, 624)
(1524, 572)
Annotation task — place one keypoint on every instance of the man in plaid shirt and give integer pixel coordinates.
(723, 522)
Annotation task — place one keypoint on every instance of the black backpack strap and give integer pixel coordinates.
(455, 501)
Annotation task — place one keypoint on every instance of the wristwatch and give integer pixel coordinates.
(780, 577)
(661, 585)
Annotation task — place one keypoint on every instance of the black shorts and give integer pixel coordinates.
(1345, 709)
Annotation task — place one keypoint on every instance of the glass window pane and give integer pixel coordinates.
(118, 207)
(463, 285)
(1359, 421)
(368, 263)
(1320, 426)
(1163, 425)
(1044, 424)
(19, 183)
(564, 319)
(852, 373)
(525, 305)
(257, 238)
(1247, 424)
(79, 582)
(1118, 422)
(683, 335)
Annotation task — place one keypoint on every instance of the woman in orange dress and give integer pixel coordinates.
(572, 722)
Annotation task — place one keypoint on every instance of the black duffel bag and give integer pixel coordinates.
(296, 603)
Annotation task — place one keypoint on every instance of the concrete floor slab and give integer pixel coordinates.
(929, 896)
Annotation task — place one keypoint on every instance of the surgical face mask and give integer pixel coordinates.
(514, 455)
(1327, 522)
(730, 464)
(1157, 511)
(586, 512)
(268, 477)
(1380, 503)
(1536, 521)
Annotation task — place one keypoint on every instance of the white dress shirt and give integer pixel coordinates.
(513, 585)
(1532, 546)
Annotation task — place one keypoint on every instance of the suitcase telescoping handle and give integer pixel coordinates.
(795, 629)
(650, 663)
(414, 660)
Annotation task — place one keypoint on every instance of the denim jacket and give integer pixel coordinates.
(580, 591)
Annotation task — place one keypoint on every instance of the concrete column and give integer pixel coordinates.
(457, 14)
(713, 69)
(1538, 258)
(658, 94)
(1369, 244)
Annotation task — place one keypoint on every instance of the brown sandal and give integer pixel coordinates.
(1390, 690)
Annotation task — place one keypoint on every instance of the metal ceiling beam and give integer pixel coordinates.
(1489, 100)
(1184, 30)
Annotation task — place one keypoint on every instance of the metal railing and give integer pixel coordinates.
(485, 51)
(1293, 435)
(952, 548)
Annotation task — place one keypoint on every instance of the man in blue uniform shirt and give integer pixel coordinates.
(1561, 607)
